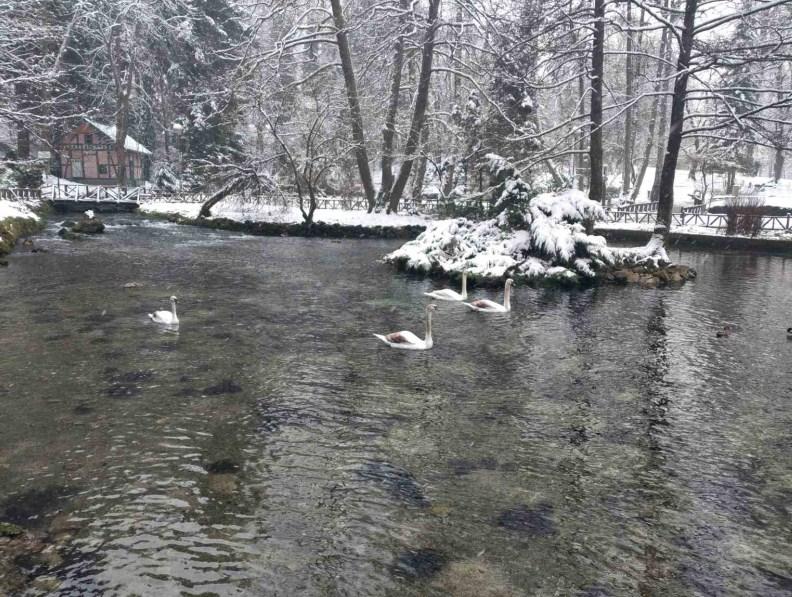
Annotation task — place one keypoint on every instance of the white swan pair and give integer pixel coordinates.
(484, 305)
(408, 341)
(168, 318)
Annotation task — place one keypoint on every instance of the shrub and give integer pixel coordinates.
(744, 215)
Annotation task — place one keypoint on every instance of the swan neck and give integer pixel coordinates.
(507, 297)
(464, 285)
(173, 309)
(428, 336)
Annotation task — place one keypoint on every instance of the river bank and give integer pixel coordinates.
(694, 240)
(317, 229)
(17, 219)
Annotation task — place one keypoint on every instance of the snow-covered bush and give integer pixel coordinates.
(531, 237)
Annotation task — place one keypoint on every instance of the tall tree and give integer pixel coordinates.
(355, 115)
(421, 103)
(389, 129)
(596, 178)
(666, 195)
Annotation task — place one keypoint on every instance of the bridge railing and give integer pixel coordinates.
(79, 192)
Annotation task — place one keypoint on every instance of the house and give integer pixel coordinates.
(88, 155)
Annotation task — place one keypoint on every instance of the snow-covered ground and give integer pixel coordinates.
(17, 209)
(245, 211)
(774, 194)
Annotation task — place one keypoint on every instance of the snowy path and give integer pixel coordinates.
(242, 212)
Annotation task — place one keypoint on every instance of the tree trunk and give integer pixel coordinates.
(666, 199)
(421, 102)
(354, 103)
(448, 181)
(420, 172)
(218, 196)
(662, 127)
(627, 170)
(389, 130)
(652, 119)
(597, 182)
(580, 161)
(22, 96)
(120, 140)
(778, 164)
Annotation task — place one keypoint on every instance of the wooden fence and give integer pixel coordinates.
(20, 194)
(356, 203)
(703, 220)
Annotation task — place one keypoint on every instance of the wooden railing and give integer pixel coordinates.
(20, 194)
(79, 192)
(637, 208)
(703, 220)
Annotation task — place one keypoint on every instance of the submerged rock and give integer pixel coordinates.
(536, 521)
(83, 409)
(227, 386)
(135, 376)
(32, 508)
(474, 578)
(121, 390)
(67, 234)
(419, 563)
(222, 485)
(223, 466)
(398, 482)
(463, 467)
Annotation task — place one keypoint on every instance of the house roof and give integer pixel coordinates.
(110, 131)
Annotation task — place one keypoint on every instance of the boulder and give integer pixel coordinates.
(67, 234)
(89, 226)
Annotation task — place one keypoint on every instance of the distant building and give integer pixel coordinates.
(88, 156)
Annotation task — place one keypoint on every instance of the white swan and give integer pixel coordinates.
(166, 317)
(408, 340)
(446, 294)
(488, 306)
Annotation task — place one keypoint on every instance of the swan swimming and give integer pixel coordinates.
(488, 306)
(446, 294)
(166, 317)
(409, 341)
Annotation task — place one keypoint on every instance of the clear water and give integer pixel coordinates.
(601, 442)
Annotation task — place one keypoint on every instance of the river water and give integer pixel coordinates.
(597, 442)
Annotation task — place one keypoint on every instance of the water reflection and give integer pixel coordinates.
(600, 442)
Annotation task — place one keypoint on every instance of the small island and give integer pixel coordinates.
(535, 238)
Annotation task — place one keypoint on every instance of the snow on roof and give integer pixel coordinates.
(110, 131)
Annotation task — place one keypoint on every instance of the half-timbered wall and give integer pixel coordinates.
(88, 155)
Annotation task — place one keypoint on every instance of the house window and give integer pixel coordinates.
(103, 169)
(88, 139)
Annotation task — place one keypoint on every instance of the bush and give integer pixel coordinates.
(744, 215)
(26, 175)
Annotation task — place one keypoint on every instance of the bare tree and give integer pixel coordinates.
(354, 103)
(421, 103)
(596, 180)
